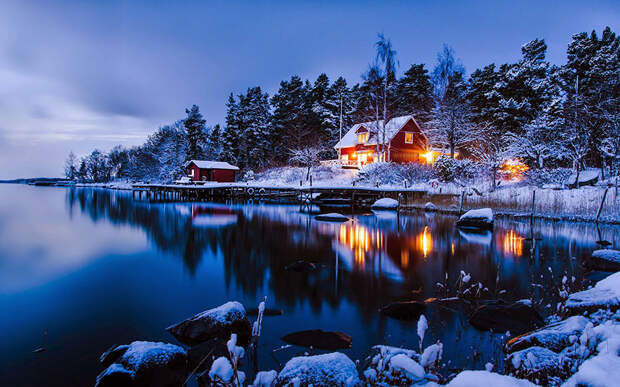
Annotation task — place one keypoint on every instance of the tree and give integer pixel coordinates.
(232, 132)
(339, 106)
(447, 65)
(491, 151)
(214, 143)
(118, 157)
(415, 94)
(195, 129)
(71, 171)
(307, 157)
(290, 118)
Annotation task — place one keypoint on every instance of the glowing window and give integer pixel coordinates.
(408, 138)
(345, 157)
(191, 172)
(362, 137)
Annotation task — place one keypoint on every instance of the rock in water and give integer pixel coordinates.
(218, 322)
(403, 310)
(385, 204)
(301, 266)
(604, 295)
(330, 369)
(605, 260)
(517, 318)
(538, 364)
(332, 217)
(430, 206)
(555, 337)
(480, 219)
(319, 339)
(144, 363)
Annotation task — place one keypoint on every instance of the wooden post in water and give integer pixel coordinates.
(600, 208)
(533, 204)
(462, 202)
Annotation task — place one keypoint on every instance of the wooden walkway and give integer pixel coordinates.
(355, 197)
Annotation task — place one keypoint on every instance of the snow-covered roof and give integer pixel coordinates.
(207, 164)
(393, 126)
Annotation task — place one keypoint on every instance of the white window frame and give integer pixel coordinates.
(408, 142)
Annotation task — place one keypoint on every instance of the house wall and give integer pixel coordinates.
(223, 175)
(219, 175)
(401, 152)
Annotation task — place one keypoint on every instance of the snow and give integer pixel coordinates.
(607, 255)
(407, 366)
(145, 353)
(221, 370)
(484, 214)
(422, 327)
(385, 203)
(605, 293)
(327, 369)
(555, 336)
(486, 378)
(391, 128)
(208, 164)
(584, 176)
(431, 355)
(264, 378)
(230, 311)
(332, 217)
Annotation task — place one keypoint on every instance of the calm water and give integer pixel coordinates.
(83, 269)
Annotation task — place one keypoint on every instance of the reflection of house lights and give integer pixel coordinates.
(425, 242)
(513, 243)
(357, 239)
(404, 258)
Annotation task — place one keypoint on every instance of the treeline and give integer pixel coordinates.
(545, 115)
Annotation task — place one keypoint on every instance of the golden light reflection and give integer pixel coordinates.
(425, 242)
(514, 169)
(358, 239)
(513, 243)
(404, 258)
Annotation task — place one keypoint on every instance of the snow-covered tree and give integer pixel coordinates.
(195, 129)
(308, 157)
(415, 94)
(71, 170)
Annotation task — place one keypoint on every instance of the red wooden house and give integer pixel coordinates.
(400, 141)
(204, 170)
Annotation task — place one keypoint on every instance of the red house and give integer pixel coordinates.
(400, 141)
(203, 170)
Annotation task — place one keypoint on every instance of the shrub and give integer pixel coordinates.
(445, 168)
(542, 176)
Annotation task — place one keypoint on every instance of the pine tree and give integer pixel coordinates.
(415, 94)
(195, 128)
(71, 171)
(339, 106)
(232, 132)
(289, 119)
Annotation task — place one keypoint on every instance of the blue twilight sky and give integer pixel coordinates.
(75, 75)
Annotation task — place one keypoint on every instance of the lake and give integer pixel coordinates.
(83, 269)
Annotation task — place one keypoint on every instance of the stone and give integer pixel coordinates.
(604, 260)
(480, 219)
(555, 337)
(500, 317)
(539, 365)
(330, 369)
(403, 310)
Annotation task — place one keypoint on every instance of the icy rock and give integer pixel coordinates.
(332, 217)
(265, 378)
(605, 260)
(385, 204)
(219, 322)
(144, 363)
(319, 339)
(555, 337)
(538, 364)
(604, 295)
(112, 354)
(330, 369)
(486, 378)
(403, 310)
(429, 206)
(500, 317)
(480, 219)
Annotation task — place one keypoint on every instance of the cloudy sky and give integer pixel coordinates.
(75, 75)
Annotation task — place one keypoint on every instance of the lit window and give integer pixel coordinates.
(362, 137)
(345, 157)
(192, 172)
(408, 138)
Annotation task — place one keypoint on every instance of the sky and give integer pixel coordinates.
(79, 75)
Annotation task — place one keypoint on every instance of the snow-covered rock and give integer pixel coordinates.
(480, 219)
(605, 260)
(332, 217)
(604, 295)
(486, 378)
(330, 369)
(538, 364)
(265, 378)
(518, 317)
(430, 206)
(218, 322)
(587, 177)
(555, 337)
(407, 367)
(144, 363)
(431, 355)
(319, 339)
(385, 204)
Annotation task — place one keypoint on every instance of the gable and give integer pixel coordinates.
(393, 127)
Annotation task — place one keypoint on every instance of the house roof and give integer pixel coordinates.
(207, 164)
(393, 126)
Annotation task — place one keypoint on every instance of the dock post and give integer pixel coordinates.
(600, 208)
(462, 202)
(533, 204)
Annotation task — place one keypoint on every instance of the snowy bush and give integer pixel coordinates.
(394, 174)
(540, 177)
(248, 175)
(445, 168)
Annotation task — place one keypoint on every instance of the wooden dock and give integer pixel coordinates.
(350, 196)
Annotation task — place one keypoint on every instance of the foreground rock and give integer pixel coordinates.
(302, 266)
(605, 260)
(500, 317)
(219, 322)
(144, 363)
(480, 219)
(393, 366)
(555, 337)
(403, 310)
(604, 295)
(385, 204)
(332, 217)
(319, 339)
(330, 369)
(487, 379)
(538, 364)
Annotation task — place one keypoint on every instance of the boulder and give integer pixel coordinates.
(604, 260)
(500, 317)
(555, 337)
(429, 206)
(218, 322)
(587, 177)
(144, 363)
(539, 365)
(319, 339)
(332, 217)
(480, 219)
(604, 295)
(330, 369)
(201, 355)
(487, 378)
(385, 204)
(403, 310)
(302, 266)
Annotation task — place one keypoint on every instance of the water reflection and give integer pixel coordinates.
(512, 243)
